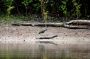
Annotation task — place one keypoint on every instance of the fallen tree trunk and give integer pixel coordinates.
(79, 22)
(76, 27)
(40, 24)
(73, 24)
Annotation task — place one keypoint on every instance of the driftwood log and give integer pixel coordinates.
(73, 24)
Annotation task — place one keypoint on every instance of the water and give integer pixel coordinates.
(41, 51)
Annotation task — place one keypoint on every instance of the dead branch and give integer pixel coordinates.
(48, 37)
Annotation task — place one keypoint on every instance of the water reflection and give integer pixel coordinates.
(41, 50)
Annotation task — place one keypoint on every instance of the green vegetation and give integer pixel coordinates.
(68, 9)
(8, 4)
(63, 7)
(77, 6)
(26, 3)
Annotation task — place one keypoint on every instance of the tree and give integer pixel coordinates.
(44, 10)
(77, 7)
(8, 4)
(26, 3)
(63, 8)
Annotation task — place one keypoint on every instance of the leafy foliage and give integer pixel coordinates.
(26, 2)
(77, 8)
(8, 4)
(61, 8)
(37, 6)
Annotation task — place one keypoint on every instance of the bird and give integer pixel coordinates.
(42, 31)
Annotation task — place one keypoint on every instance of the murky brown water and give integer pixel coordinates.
(44, 51)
